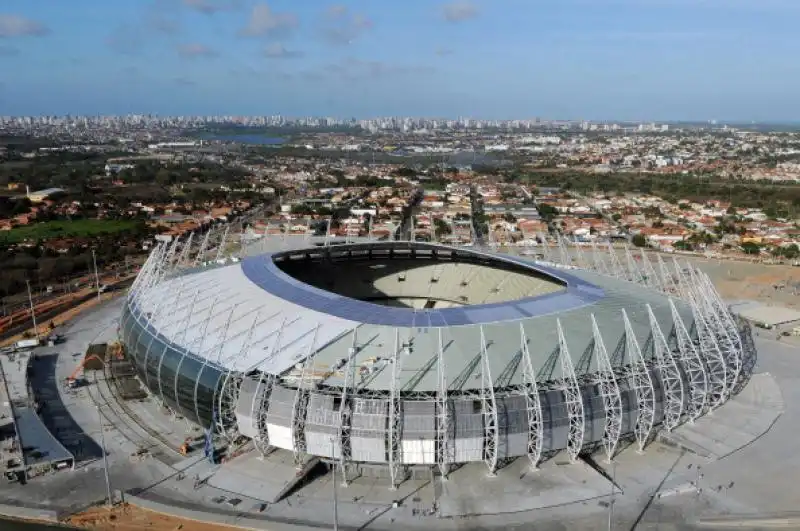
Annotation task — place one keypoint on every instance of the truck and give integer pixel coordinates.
(26, 343)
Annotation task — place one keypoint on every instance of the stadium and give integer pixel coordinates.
(391, 356)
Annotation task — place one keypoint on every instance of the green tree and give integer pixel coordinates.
(639, 240)
(751, 248)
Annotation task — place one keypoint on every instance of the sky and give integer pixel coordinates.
(728, 60)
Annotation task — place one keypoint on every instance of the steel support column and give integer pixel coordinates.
(572, 398)
(671, 379)
(393, 449)
(491, 428)
(607, 384)
(444, 454)
(300, 406)
(693, 367)
(345, 410)
(533, 403)
(641, 382)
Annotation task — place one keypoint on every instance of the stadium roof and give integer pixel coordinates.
(251, 315)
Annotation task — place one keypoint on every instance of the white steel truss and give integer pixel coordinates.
(693, 367)
(206, 359)
(607, 384)
(727, 322)
(265, 381)
(615, 269)
(580, 259)
(649, 274)
(187, 248)
(634, 274)
(491, 428)
(533, 403)
(563, 251)
(716, 318)
(666, 279)
(203, 246)
(641, 382)
(545, 249)
(670, 374)
(300, 406)
(683, 285)
(572, 398)
(223, 241)
(393, 450)
(597, 260)
(715, 361)
(201, 344)
(345, 452)
(444, 450)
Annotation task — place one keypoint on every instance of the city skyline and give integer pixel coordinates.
(629, 60)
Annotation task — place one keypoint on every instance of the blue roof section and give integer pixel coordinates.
(262, 271)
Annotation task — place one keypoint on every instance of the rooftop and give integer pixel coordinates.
(273, 323)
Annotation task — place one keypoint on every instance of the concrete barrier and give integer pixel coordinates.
(227, 518)
(28, 513)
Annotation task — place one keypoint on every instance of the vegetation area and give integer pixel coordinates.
(80, 228)
(778, 199)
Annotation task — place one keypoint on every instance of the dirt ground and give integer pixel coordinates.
(770, 284)
(126, 517)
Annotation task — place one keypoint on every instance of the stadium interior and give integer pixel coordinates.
(421, 280)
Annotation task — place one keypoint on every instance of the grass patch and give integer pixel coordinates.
(63, 229)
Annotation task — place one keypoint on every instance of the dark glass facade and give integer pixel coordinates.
(185, 382)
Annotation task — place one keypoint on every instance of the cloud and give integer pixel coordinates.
(155, 20)
(278, 51)
(195, 50)
(16, 26)
(264, 22)
(459, 11)
(341, 27)
(8, 51)
(209, 7)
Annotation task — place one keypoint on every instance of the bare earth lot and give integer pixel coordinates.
(129, 518)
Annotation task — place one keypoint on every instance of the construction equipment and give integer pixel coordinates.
(186, 448)
(73, 380)
(116, 350)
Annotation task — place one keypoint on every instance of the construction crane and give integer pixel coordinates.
(115, 350)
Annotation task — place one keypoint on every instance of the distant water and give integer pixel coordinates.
(247, 139)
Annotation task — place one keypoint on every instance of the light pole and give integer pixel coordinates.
(613, 488)
(96, 276)
(697, 490)
(335, 492)
(33, 311)
(105, 457)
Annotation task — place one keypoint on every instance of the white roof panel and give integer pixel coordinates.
(221, 316)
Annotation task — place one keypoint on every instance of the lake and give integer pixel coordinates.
(260, 140)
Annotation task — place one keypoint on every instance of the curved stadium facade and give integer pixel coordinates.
(401, 354)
